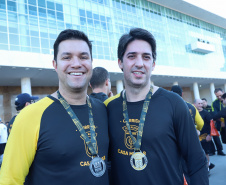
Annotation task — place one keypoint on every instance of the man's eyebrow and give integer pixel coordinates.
(65, 53)
(136, 52)
(131, 53)
(84, 53)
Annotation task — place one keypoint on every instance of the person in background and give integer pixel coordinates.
(222, 113)
(100, 84)
(198, 121)
(21, 101)
(217, 106)
(3, 139)
(205, 136)
(206, 106)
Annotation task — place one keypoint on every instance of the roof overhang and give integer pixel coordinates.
(193, 11)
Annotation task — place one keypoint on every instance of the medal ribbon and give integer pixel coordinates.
(91, 143)
(137, 143)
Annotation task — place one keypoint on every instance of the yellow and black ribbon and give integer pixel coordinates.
(137, 142)
(91, 143)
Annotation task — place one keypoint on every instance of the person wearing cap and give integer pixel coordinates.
(62, 138)
(3, 139)
(21, 101)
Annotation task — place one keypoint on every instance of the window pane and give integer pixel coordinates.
(14, 48)
(42, 12)
(11, 6)
(13, 39)
(59, 7)
(32, 2)
(24, 40)
(12, 17)
(3, 47)
(42, 3)
(35, 50)
(60, 16)
(13, 28)
(43, 22)
(34, 31)
(32, 10)
(3, 15)
(4, 38)
(44, 43)
(3, 26)
(2, 4)
(27, 49)
(82, 13)
(35, 42)
(50, 5)
(51, 14)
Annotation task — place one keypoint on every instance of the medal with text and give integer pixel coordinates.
(97, 165)
(138, 160)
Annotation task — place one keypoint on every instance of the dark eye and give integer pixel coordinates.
(147, 57)
(66, 57)
(131, 56)
(84, 57)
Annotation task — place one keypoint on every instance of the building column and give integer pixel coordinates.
(175, 83)
(119, 86)
(212, 88)
(196, 90)
(224, 87)
(26, 85)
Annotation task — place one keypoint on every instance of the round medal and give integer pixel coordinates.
(138, 161)
(97, 166)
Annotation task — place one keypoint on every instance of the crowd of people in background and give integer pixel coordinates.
(48, 139)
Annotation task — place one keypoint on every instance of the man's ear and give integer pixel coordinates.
(27, 103)
(55, 65)
(106, 82)
(120, 64)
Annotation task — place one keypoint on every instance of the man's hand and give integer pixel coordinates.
(110, 94)
(208, 138)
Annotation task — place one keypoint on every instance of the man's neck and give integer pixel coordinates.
(73, 98)
(134, 95)
(100, 90)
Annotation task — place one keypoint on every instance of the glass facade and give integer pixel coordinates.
(33, 25)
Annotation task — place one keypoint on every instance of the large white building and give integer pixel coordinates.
(191, 43)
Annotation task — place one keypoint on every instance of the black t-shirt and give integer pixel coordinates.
(100, 96)
(206, 116)
(45, 145)
(168, 135)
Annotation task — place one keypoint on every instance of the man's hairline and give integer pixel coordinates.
(72, 39)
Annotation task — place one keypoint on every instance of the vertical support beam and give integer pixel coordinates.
(212, 88)
(119, 86)
(196, 90)
(26, 85)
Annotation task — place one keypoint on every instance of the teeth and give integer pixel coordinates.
(77, 74)
(137, 73)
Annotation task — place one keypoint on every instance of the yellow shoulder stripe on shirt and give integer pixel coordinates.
(107, 101)
(22, 143)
